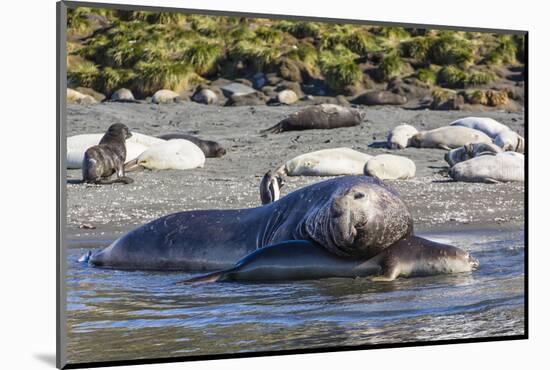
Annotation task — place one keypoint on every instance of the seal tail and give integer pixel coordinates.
(277, 129)
(212, 277)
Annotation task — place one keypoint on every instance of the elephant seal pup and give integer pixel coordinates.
(270, 187)
(303, 260)
(211, 149)
(470, 151)
(510, 141)
(103, 160)
(448, 137)
(399, 137)
(502, 167)
(487, 125)
(323, 116)
(350, 216)
(77, 145)
(326, 162)
(390, 167)
(177, 154)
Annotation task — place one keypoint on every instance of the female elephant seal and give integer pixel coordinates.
(470, 151)
(326, 162)
(177, 154)
(323, 116)
(399, 137)
(351, 216)
(487, 125)
(211, 149)
(103, 160)
(448, 137)
(510, 141)
(502, 167)
(390, 167)
(302, 260)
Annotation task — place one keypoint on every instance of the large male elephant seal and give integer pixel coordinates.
(323, 116)
(326, 162)
(351, 216)
(448, 138)
(502, 167)
(487, 125)
(302, 260)
(211, 149)
(103, 160)
(470, 151)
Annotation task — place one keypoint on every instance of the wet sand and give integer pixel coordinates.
(232, 181)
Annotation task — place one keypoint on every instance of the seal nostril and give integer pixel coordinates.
(358, 195)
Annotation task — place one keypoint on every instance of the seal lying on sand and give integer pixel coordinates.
(351, 216)
(177, 154)
(470, 151)
(211, 149)
(270, 187)
(77, 145)
(326, 162)
(323, 116)
(302, 260)
(487, 125)
(399, 137)
(448, 137)
(502, 167)
(510, 141)
(390, 167)
(103, 160)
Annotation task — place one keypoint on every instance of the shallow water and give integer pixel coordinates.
(121, 315)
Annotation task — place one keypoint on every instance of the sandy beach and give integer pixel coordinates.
(232, 181)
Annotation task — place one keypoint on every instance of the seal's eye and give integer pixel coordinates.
(358, 195)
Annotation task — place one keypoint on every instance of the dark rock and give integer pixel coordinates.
(236, 89)
(379, 98)
(256, 98)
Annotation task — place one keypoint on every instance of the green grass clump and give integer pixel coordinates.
(427, 75)
(391, 66)
(83, 74)
(269, 35)
(417, 48)
(339, 68)
(504, 52)
(307, 54)
(258, 56)
(451, 76)
(394, 33)
(299, 30)
(479, 78)
(155, 76)
(476, 97)
(449, 49)
(160, 18)
(359, 43)
(202, 56)
(113, 79)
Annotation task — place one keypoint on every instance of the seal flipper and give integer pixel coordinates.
(85, 258)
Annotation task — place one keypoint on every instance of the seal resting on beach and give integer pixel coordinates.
(211, 149)
(510, 141)
(448, 137)
(390, 167)
(351, 216)
(502, 167)
(77, 145)
(177, 154)
(270, 187)
(302, 260)
(487, 125)
(470, 151)
(103, 160)
(326, 162)
(323, 116)
(399, 137)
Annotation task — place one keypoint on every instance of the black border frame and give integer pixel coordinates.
(61, 333)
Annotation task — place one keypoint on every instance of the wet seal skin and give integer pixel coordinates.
(107, 158)
(350, 216)
(303, 260)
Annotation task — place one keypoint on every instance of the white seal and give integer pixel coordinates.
(326, 162)
(390, 167)
(399, 137)
(502, 167)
